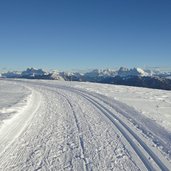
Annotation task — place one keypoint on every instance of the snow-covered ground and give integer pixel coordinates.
(84, 126)
(154, 104)
(13, 98)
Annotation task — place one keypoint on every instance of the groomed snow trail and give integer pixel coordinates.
(65, 128)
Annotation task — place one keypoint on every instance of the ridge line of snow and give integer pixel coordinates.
(13, 127)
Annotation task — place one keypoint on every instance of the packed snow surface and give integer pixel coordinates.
(154, 104)
(84, 126)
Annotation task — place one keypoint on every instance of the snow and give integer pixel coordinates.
(81, 126)
(124, 72)
(32, 72)
(13, 99)
(56, 76)
(154, 104)
(100, 72)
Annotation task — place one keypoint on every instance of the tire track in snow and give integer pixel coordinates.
(81, 142)
(125, 130)
(37, 147)
(43, 139)
(76, 121)
(157, 134)
(112, 117)
(127, 133)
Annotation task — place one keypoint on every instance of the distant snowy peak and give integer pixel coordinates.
(123, 72)
(55, 75)
(33, 72)
(67, 76)
(11, 74)
(100, 73)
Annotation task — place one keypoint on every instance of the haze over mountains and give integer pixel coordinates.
(122, 76)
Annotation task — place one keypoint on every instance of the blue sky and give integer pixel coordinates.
(82, 34)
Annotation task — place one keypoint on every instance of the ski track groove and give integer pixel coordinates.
(146, 148)
(40, 154)
(81, 95)
(80, 135)
(145, 161)
(112, 117)
(134, 146)
(77, 124)
(81, 142)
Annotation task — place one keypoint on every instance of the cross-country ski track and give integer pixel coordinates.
(66, 128)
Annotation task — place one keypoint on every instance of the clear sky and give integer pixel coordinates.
(81, 34)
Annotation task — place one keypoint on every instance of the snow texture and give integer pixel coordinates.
(81, 126)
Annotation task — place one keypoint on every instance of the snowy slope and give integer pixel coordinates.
(13, 98)
(154, 104)
(65, 127)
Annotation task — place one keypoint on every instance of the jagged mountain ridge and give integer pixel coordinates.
(122, 72)
(123, 76)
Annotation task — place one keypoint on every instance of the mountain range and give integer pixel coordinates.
(122, 76)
